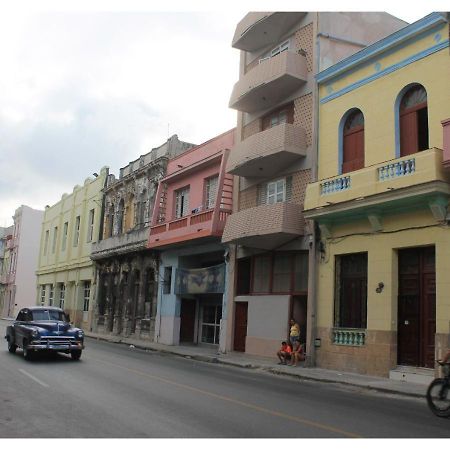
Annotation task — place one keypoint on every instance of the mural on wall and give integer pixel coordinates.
(208, 280)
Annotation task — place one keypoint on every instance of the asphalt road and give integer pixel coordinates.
(118, 392)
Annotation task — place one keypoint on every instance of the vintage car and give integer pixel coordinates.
(41, 328)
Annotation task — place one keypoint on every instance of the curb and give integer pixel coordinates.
(272, 370)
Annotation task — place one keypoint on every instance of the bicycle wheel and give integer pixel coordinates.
(438, 397)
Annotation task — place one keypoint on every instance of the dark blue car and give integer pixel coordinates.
(44, 328)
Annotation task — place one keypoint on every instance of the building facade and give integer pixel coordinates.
(21, 260)
(126, 271)
(271, 245)
(5, 235)
(66, 274)
(381, 204)
(193, 202)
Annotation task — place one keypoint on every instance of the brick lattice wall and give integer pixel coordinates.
(248, 198)
(303, 107)
(251, 128)
(304, 40)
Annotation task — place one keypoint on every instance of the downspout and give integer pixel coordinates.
(312, 259)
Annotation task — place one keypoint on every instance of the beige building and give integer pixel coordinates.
(66, 274)
(271, 246)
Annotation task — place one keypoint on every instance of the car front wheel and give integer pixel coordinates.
(27, 354)
(75, 354)
(12, 347)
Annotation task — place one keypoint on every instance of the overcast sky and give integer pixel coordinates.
(83, 89)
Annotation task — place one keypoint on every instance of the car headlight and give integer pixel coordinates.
(80, 334)
(34, 334)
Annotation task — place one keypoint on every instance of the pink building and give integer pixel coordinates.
(192, 204)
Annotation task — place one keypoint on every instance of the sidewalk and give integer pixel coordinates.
(238, 359)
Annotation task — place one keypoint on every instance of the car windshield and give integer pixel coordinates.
(48, 314)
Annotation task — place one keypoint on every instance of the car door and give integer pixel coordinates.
(18, 327)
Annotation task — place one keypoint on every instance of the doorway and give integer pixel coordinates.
(298, 312)
(187, 320)
(240, 326)
(416, 307)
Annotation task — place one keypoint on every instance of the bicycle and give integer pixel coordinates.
(438, 393)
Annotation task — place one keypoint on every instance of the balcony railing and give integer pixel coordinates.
(266, 153)
(270, 82)
(349, 336)
(265, 226)
(393, 176)
(258, 29)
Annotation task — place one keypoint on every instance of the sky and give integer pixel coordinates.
(87, 85)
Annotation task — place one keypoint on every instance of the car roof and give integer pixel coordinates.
(40, 308)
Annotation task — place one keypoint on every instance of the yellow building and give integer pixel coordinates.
(65, 275)
(381, 204)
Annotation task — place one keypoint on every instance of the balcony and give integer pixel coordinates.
(446, 139)
(204, 224)
(131, 241)
(265, 226)
(269, 83)
(10, 243)
(266, 153)
(402, 184)
(259, 29)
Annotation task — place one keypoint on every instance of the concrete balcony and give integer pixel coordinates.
(264, 226)
(259, 29)
(269, 83)
(403, 184)
(202, 225)
(446, 140)
(134, 240)
(266, 153)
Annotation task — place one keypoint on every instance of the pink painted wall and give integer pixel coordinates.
(201, 152)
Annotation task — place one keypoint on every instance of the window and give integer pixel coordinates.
(353, 142)
(142, 208)
(167, 283)
(279, 272)
(276, 51)
(351, 291)
(182, 202)
(62, 295)
(64, 236)
(55, 237)
(50, 296)
(76, 232)
(110, 229)
(211, 191)
(47, 234)
(43, 295)
(120, 214)
(413, 121)
(90, 233)
(276, 191)
(285, 114)
(86, 295)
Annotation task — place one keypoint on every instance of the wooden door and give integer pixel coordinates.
(353, 157)
(417, 307)
(187, 323)
(408, 133)
(240, 326)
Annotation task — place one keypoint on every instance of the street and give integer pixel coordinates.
(119, 392)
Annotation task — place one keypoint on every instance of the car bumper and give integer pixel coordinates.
(55, 347)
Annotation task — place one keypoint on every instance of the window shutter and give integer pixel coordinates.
(262, 194)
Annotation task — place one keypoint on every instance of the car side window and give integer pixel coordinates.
(20, 316)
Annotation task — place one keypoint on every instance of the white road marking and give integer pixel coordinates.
(33, 378)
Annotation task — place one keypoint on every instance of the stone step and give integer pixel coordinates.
(418, 375)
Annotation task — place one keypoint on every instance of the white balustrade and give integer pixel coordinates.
(397, 169)
(336, 185)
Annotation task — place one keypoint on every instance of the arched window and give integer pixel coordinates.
(413, 121)
(110, 230)
(120, 213)
(353, 142)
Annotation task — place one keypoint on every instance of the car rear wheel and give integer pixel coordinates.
(12, 347)
(75, 354)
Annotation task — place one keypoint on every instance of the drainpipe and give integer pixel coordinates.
(312, 257)
(339, 39)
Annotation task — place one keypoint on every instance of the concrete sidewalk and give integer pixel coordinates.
(271, 365)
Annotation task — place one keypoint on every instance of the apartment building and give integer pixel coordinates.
(5, 235)
(193, 202)
(126, 272)
(271, 245)
(21, 260)
(381, 203)
(66, 273)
